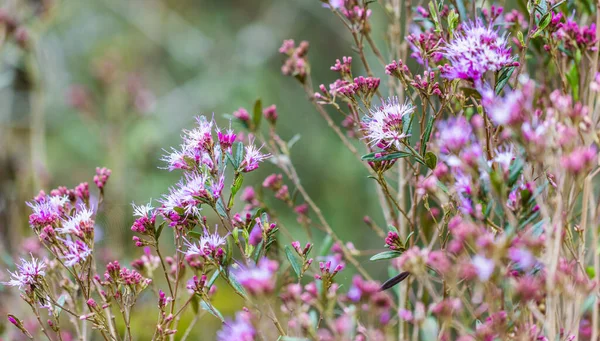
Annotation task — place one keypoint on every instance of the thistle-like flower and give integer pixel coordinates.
(253, 157)
(476, 50)
(28, 273)
(384, 125)
(76, 252)
(209, 244)
(81, 222)
(46, 211)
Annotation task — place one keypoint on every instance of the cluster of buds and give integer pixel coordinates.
(101, 177)
(121, 283)
(296, 64)
(427, 84)
(303, 253)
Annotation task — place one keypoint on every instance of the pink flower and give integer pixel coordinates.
(28, 273)
(476, 50)
(240, 329)
(257, 279)
(384, 124)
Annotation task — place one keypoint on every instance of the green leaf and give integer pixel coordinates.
(213, 278)
(471, 92)
(544, 22)
(408, 237)
(392, 228)
(514, 171)
(291, 338)
(386, 255)
(220, 209)
(61, 302)
(159, 230)
(461, 9)
(235, 187)
(385, 157)
(212, 310)
(503, 78)
(327, 243)
(195, 304)
(427, 134)
(237, 286)
(293, 141)
(239, 155)
(257, 114)
(291, 256)
(430, 160)
(573, 78)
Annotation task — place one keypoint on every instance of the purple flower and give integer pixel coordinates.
(47, 210)
(453, 134)
(475, 51)
(175, 159)
(384, 125)
(253, 157)
(484, 267)
(28, 273)
(258, 279)
(522, 257)
(208, 244)
(80, 222)
(240, 329)
(76, 252)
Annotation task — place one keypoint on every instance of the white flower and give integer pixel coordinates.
(27, 273)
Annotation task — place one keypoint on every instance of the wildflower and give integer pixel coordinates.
(270, 113)
(240, 329)
(28, 273)
(475, 51)
(252, 158)
(258, 279)
(81, 222)
(453, 134)
(504, 157)
(101, 177)
(226, 139)
(175, 159)
(208, 244)
(76, 252)
(47, 210)
(580, 159)
(484, 267)
(384, 126)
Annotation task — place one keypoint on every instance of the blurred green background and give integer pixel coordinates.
(112, 82)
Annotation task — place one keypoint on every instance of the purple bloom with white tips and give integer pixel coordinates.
(209, 244)
(253, 157)
(76, 252)
(475, 51)
(383, 127)
(28, 273)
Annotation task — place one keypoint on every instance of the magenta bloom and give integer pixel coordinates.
(240, 329)
(28, 273)
(258, 279)
(475, 51)
(384, 125)
(253, 157)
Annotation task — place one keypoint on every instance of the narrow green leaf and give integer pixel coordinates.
(514, 171)
(195, 304)
(237, 286)
(239, 155)
(385, 157)
(291, 338)
(544, 22)
(327, 243)
(573, 78)
(212, 310)
(293, 259)
(386, 255)
(503, 79)
(257, 114)
(427, 135)
(430, 160)
(461, 10)
(293, 141)
(213, 278)
(392, 228)
(159, 230)
(220, 209)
